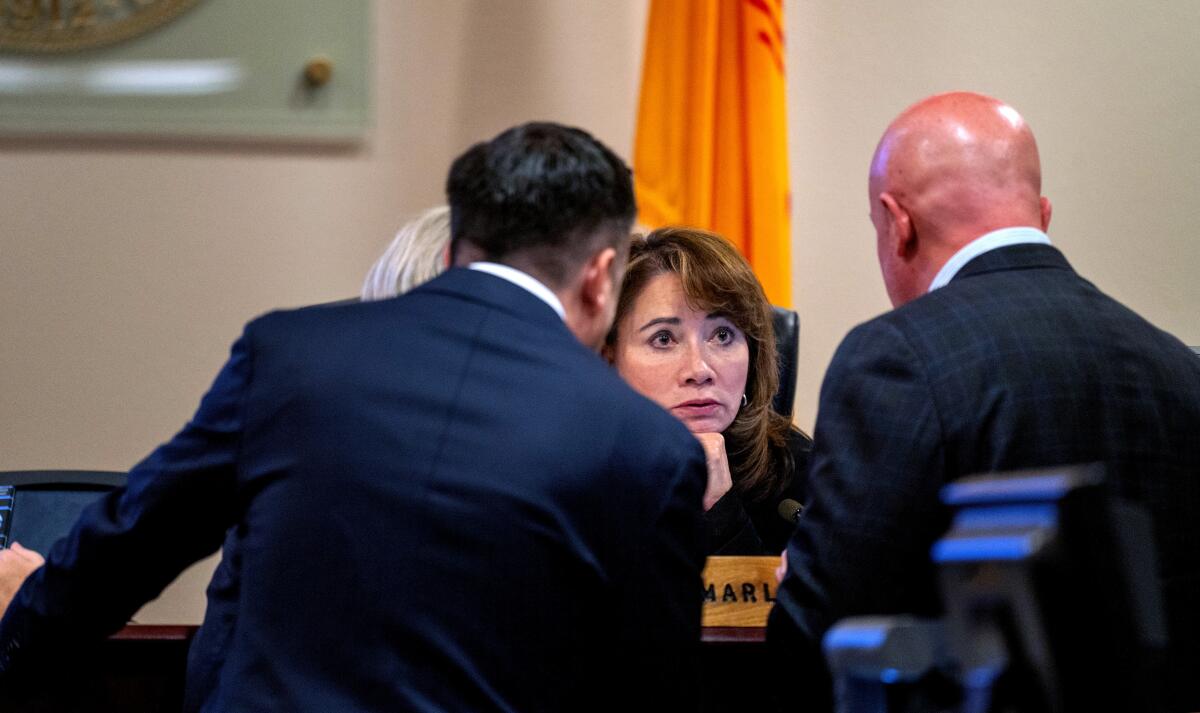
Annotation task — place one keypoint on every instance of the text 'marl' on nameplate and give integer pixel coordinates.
(738, 591)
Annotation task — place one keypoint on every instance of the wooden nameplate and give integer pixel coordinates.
(738, 591)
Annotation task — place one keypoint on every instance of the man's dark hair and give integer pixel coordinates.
(537, 194)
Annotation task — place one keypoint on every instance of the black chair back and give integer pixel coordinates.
(46, 503)
(787, 345)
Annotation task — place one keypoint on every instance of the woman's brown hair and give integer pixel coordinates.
(715, 278)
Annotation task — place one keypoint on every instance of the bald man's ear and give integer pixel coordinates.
(900, 227)
(1047, 209)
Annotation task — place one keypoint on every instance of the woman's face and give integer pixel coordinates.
(691, 363)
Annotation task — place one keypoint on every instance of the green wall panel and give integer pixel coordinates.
(222, 68)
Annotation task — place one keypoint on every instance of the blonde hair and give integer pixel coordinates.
(415, 255)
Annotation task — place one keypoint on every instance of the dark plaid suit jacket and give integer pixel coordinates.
(1017, 363)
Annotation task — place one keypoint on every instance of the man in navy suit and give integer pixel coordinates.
(998, 356)
(440, 502)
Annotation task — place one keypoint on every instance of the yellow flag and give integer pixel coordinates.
(711, 147)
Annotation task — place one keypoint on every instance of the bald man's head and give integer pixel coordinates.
(949, 169)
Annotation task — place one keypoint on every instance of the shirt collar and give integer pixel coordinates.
(1001, 238)
(523, 280)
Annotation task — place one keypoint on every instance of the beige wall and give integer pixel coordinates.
(127, 269)
(1111, 88)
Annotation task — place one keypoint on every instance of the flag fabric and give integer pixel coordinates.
(711, 146)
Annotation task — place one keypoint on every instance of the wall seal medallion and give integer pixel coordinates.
(58, 26)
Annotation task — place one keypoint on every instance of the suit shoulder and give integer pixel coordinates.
(293, 316)
(321, 323)
(277, 320)
(634, 411)
(883, 325)
(645, 430)
(880, 336)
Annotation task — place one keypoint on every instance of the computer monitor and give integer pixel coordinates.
(1051, 592)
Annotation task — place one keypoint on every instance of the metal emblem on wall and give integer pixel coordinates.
(47, 26)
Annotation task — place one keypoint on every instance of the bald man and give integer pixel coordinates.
(997, 356)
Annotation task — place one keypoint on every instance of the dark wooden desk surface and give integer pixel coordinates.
(733, 635)
(140, 669)
(184, 632)
(156, 632)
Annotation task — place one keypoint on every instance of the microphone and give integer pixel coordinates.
(790, 510)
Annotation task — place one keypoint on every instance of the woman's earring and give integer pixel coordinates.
(745, 401)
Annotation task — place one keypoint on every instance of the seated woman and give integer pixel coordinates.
(693, 333)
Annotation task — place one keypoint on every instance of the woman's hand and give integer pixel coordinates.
(719, 479)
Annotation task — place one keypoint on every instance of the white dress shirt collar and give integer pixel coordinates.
(987, 242)
(523, 280)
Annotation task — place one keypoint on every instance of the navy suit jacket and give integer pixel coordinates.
(440, 502)
(1017, 363)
